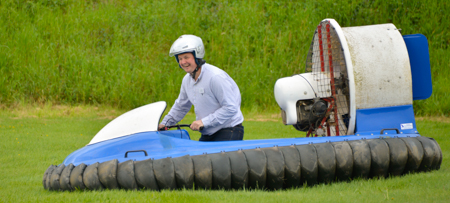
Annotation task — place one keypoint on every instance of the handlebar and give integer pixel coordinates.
(178, 126)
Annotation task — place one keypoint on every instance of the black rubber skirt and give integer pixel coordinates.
(273, 168)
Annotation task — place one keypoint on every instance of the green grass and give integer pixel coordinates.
(34, 137)
(115, 52)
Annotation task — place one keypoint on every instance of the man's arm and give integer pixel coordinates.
(179, 109)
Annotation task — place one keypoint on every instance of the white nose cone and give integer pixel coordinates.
(289, 90)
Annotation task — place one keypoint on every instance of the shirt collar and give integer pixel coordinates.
(203, 68)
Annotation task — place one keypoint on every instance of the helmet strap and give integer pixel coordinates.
(199, 63)
(194, 73)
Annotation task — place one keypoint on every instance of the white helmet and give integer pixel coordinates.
(188, 43)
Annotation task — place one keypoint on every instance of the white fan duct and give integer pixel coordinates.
(382, 72)
(346, 69)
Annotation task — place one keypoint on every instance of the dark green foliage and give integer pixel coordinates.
(116, 52)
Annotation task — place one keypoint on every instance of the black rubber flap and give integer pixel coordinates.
(257, 162)
(90, 177)
(184, 172)
(145, 178)
(275, 168)
(344, 160)
(64, 179)
(239, 169)
(309, 168)
(326, 161)
(415, 154)
(398, 156)
(292, 170)
(202, 171)
(379, 152)
(54, 178)
(165, 173)
(429, 154)
(76, 177)
(221, 171)
(438, 160)
(46, 179)
(125, 175)
(107, 174)
(361, 158)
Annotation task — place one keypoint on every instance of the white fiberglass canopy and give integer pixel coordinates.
(142, 119)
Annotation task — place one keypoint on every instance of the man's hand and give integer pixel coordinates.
(196, 125)
(161, 126)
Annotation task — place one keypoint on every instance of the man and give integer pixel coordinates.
(214, 94)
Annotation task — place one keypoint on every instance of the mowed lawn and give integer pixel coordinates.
(32, 138)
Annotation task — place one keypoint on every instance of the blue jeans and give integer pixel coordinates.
(225, 134)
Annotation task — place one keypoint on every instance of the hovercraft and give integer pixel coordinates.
(354, 102)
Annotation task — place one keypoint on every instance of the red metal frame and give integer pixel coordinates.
(309, 132)
(333, 88)
(332, 99)
(322, 63)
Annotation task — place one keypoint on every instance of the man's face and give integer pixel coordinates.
(187, 62)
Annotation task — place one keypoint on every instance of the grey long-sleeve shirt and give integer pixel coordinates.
(216, 99)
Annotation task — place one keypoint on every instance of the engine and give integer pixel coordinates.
(308, 109)
(310, 113)
(318, 101)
